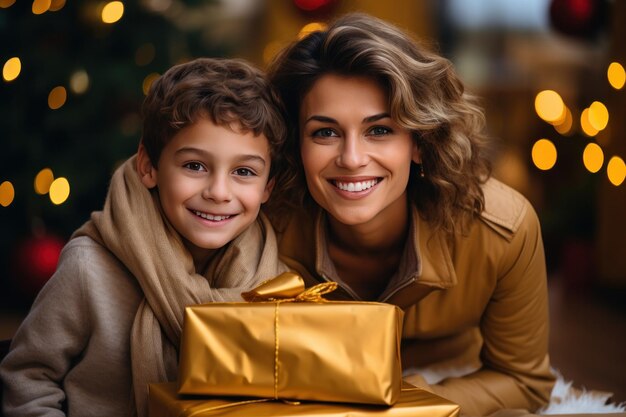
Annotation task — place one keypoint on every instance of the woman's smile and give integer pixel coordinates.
(355, 188)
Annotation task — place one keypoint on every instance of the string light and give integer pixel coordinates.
(147, 82)
(5, 4)
(564, 127)
(598, 115)
(310, 28)
(549, 106)
(593, 157)
(270, 51)
(616, 171)
(41, 6)
(79, 82)
(112, 12)
(57, 97)
(43, 179)
(616, 75)
(59, 190)
(544, 154)
(586, 125)
(56, 5)
(11, 69)
(7, 194)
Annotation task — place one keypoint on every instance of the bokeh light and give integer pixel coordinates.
(598, 115)
(112, 12)
(145, 54)
(79, 82)
(616, 75)
(7, 194)
(56, 5)
(43, 180)
(544, 154)
(565, 126)
(57, 97)
(586, 125)
(310, 28)
(147, 82)
(616, 170)
(549, 106)
(59, 190)
(4, 4)
(41, 6)
(158, 6)
(593, 157)
(270, 51)
(11, 69)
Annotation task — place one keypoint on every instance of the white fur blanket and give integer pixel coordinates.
(565, 399)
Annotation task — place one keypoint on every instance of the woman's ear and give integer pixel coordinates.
(147, 172)
(416, 155)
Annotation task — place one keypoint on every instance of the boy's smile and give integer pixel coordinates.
(211, 182)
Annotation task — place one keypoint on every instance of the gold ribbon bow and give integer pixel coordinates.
(286, 288)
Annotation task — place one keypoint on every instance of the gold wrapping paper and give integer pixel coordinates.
(413, 402)
(321, 351)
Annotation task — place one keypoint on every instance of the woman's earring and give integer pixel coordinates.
(420, 170)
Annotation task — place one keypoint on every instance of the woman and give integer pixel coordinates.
(390, 195)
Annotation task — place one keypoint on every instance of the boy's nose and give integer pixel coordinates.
(352, 153)
(217, 189)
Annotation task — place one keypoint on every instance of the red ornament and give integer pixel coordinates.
(579, 18)
(312, 5)
(35, 261)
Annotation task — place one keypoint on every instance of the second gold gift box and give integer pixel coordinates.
(413, 402)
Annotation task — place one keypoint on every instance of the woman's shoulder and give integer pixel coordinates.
(506, 210)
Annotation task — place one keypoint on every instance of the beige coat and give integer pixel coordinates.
(476, 306)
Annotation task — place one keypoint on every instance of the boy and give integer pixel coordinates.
(179, 227)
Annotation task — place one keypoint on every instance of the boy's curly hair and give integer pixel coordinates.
(230, 92)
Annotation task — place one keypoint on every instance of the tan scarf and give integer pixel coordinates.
(132, 226)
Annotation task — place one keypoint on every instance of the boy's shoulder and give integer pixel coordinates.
(87, 263)
(83, 250)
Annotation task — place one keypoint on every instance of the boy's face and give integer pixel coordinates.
(211, 182)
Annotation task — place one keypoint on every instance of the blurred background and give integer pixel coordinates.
(550, 73)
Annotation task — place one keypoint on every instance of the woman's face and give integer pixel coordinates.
(356, 158)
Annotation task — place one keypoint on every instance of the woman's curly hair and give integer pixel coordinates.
(425, 96)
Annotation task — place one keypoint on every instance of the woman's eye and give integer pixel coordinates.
(194, 166)
(325, 133)
(380, 131)
(244, 172)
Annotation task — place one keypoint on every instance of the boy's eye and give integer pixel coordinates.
(244, 172)
(194, 166)
(325, 133)
(379, 131)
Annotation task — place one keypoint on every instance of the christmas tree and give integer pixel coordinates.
(75, 75)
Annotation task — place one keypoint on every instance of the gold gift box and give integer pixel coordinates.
(320, 351)
(413, 402)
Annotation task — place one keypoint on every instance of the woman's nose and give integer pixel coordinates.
(353, 153)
